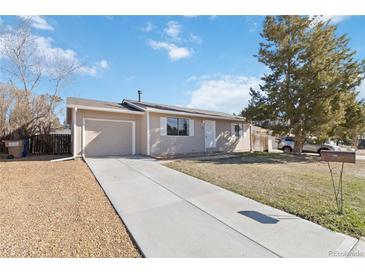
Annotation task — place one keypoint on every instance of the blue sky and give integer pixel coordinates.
(200, 61)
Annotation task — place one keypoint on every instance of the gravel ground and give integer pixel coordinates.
(57, 210)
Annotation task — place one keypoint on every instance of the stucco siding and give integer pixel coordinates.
(164, 145)
(161, 145)
(225, 142)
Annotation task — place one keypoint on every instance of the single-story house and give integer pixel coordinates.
(101, 128)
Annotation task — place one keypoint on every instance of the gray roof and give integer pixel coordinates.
(98, 104)
(74, 101)
(145, 105)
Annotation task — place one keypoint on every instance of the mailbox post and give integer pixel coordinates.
(340, 157)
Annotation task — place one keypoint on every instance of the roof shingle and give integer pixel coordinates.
(147, 105)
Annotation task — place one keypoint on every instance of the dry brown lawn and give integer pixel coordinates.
(57, 210)
(297, 184)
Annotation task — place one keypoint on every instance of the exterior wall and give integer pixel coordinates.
(228, 142)
(139, 120)
(165, 145)
(225, 141)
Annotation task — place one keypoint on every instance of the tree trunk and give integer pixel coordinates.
(298, 145)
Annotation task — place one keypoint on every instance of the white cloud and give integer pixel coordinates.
(177, 46)
(195, 38)
(95, 69)
(148, 27)
(89, 70)
(37, 22)
(173, 29)
(104, 64)
(174, 52)
(52, 58)
(252, 23)
(228, 93)
(335, 19)
(50, 55)
(253, 27)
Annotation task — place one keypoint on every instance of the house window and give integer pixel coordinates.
(177, 126)
(237, 130)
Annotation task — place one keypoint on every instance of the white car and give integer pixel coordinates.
(286, 144)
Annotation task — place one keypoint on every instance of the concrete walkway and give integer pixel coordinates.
(170, 214)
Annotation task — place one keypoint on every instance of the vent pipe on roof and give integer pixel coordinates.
(139, 95)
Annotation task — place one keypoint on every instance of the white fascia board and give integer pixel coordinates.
(194, 115)
(105, 109)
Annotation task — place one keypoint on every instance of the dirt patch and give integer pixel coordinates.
(57, 209)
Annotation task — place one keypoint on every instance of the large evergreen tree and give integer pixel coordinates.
(312, 74)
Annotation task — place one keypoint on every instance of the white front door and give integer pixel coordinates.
(209, 131)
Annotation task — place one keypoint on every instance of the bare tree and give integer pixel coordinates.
(7, 96)
(27, 66)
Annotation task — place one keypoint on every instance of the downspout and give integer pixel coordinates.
(148, 133)
(251, 147)
(74, 131)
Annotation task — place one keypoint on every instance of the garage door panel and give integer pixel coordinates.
(108, 138)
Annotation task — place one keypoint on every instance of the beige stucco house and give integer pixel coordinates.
(136, 127)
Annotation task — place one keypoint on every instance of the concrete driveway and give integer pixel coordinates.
(170, 214)
(360, 157)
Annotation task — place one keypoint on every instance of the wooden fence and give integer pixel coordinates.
(3, 148)
(46, 144)
(50, 144)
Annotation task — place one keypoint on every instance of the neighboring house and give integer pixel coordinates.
(64, 129)
(136, 127)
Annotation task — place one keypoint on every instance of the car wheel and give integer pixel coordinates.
(287, 149)
(320, 150)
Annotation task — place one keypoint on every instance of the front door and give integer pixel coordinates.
(209, 130)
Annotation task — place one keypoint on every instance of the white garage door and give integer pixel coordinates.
(108, 137)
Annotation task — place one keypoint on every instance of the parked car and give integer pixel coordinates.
(286, 144)
(361, 144)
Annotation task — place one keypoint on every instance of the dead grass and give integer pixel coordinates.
(57, 210)
(297, 184)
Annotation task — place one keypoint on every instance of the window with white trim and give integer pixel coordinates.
(177, 126)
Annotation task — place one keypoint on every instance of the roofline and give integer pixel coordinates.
(134, 105)
(182, 113)
(104, 109)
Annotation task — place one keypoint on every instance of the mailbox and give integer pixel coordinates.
(338, 156)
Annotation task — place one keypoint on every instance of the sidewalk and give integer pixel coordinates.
(171, 214)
